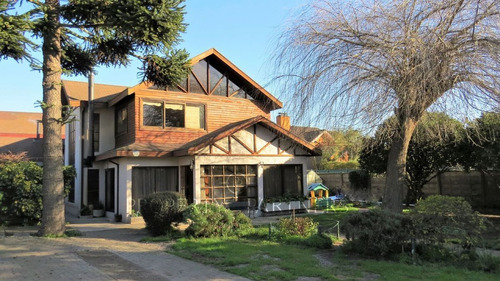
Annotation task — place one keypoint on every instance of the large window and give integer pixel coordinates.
(208, 77)
(147, 180)
(282, 180)
(97, 130)
(171, 115)
(224, 184)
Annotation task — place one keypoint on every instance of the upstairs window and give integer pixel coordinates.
(173, 115)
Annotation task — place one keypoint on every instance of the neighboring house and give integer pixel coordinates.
(317, 137)
(22, 132)
(209, 138)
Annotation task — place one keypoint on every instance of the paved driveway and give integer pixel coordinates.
(105, 252)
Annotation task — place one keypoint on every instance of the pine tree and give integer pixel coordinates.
(77, 36)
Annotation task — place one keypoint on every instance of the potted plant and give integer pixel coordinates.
(85, 212)
(98, 210)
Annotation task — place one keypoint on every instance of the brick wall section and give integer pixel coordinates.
(220, 111)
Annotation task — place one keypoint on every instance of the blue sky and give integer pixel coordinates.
(244, 31)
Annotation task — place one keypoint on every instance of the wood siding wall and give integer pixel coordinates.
(219, 111)
(132, 112)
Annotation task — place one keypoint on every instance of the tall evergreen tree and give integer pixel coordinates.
(78, 35)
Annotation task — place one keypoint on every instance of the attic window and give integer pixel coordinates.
(206, 78)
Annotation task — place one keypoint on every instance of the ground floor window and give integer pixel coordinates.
(282, 180)
(224, 184)
(147, 180)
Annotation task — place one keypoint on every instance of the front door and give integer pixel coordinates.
(110, 189)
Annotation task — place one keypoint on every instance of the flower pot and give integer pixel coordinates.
(98, 213)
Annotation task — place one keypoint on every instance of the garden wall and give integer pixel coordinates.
(481, 189)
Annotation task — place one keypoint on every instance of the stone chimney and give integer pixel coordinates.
(283, 120)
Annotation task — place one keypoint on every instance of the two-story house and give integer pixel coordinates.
(209, 137)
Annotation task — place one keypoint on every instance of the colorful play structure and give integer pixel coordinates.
(319, 194)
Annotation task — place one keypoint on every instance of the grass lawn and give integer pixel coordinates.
(267, 260)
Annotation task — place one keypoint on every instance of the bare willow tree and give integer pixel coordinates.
(366, 60)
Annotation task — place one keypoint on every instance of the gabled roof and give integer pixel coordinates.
(310, 134)
(78, 91)
(21, 124)
(261, 93)
(192, 147)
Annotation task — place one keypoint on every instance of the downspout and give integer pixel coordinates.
(117, 186)
(91, 119)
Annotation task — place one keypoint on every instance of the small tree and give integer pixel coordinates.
(434, 148)
(483, 143)
(78, 35)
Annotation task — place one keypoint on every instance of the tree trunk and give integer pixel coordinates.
(53, 221)
(396, 166)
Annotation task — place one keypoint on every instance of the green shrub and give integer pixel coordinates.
(160, 210)
(21, 189)
(21, 192)
(303, 227)
(376, 233)
(210, 220)
(439, 218)
(242, 224)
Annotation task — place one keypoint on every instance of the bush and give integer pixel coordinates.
(439, 218)
(210, 220)
(376, 233)
(160, 210)
(21, 191)
(303, 227)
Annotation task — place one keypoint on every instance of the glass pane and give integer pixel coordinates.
(240, 181)
(232, 87)
(229, 200)
(152, 114)
(252, 170)
(194, 87)
(195, 116)
(206, 193)
(200, 70)
(229, 170)
(221, 90)
(242, 191)
(215, 76)
(218, 181)
(251, 180)
(217, 170)
(230, 181)
(205, 170)
(174, 115)
(218, 193)
(241, 94)
(252, 192)
(229, 192)
(206, 182)
(240, 169)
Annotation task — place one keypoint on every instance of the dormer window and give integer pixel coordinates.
(162, 114)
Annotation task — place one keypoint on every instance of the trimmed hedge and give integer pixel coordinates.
(160, 210)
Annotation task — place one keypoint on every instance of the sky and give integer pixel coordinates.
(244, 31)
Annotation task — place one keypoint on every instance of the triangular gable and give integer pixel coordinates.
(258, 92)
(254, 136)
